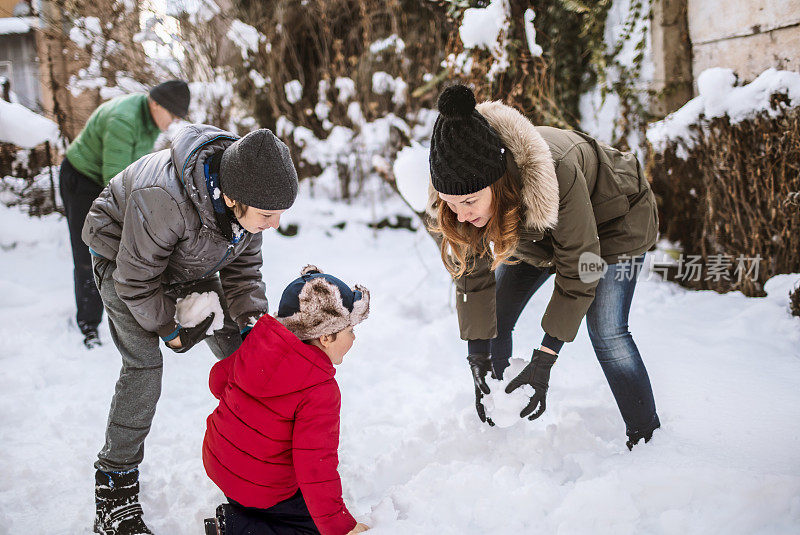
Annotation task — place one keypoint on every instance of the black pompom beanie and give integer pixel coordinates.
(466, 154)
(257, 170)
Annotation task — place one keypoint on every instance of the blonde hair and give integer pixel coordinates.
(463, 242)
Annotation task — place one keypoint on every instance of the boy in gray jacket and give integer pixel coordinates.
(178, 221)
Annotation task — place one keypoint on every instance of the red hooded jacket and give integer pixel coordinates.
(277, 426)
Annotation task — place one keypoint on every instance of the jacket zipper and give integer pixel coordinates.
(212, 270)
(183, 173)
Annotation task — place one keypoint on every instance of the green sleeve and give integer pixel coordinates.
(118, 147)
(574, 235)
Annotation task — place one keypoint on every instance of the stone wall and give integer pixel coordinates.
(690, 36)
(748, 36)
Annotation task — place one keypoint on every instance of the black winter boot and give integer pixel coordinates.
(117, 498)
(636, 436)
(91, 338)
(216, 525)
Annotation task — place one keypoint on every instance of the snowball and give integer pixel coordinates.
(195, 307)
(412, 175)
(504, 408)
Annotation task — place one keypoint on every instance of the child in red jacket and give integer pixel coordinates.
(271, 444)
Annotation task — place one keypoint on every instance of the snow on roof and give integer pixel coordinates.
(12, 25)
(718, 97)
(36, 129)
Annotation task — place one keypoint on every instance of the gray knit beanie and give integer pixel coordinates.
(257, 170)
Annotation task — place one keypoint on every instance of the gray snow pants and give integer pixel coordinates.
(139, 385)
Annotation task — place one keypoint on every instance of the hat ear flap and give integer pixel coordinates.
(360, 307)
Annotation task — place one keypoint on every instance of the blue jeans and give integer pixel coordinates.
(607, 323)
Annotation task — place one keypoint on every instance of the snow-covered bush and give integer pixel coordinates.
(336, 81)
(96, 48)
(725, 169)
(26, 158)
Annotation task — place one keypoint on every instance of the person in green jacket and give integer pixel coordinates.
(118, 133)
(513, 204)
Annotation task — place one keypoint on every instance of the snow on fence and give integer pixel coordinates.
(726, 169)
(26, 139)
(24, 128)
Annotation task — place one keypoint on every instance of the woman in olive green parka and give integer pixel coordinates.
(512, 204)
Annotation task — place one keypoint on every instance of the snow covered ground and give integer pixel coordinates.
(414, 456)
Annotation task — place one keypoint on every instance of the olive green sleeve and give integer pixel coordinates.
(475, 299)
(574, 235)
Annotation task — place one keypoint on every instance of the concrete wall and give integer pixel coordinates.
(19, 63)
(672, 56)
(748, 36)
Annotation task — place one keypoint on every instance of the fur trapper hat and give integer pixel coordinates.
(316, 304)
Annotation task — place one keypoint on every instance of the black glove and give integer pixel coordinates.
(536, 374)
(480, 365)
(190, 336)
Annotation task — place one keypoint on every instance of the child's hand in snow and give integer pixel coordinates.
(360, 528)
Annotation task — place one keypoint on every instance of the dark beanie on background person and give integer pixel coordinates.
(257, 170)
(172, 95)
(466, 153)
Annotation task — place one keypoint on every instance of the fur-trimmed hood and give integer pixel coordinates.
(533, 158)
(534, 162)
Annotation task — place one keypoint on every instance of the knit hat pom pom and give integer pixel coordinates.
(456, 102)
(310, 270)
